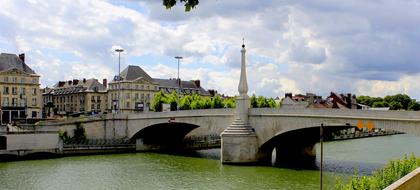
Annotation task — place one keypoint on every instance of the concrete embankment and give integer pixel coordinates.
(409, 182)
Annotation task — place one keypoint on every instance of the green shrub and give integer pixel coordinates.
(384, 177)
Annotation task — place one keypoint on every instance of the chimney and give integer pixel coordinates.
(61, 83)
(22, 57)
(197, 83)
(69, 82)
(84, 80)
(105, 83)
(75, 81)
(349, 101)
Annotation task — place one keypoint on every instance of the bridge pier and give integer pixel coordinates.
(239, 147)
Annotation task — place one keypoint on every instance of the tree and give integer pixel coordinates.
(173, 100)
(254, 101)
(272, 103)
(189, 4)
(365, 100)
(378, 104)
(79, 133)
(262, 102)
(229, 102)
(206, 103)
(216, 102)
(403, 99)
(185, 102)
(158, 100)
(395, 105)
(414, 105)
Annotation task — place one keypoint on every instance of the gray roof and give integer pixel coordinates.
(187, 87)
(133, 72)
(9, 61)
(91, 85)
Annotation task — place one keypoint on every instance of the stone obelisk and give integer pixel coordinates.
(239, 141)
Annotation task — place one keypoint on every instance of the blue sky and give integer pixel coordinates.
(299, 46)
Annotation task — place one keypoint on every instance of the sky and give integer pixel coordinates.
(318, 46)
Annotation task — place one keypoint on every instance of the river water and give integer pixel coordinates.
(201, 171)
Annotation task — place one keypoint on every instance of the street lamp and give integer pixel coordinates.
(178, 57)
(178, 80)
(119, 77)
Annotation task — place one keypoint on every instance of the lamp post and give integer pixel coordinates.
(321, 141)
(179, 82)
(119, 77)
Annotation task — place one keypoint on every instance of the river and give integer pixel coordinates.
(201, 171)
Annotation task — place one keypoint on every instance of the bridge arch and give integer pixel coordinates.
(163, 136)
(294, 148)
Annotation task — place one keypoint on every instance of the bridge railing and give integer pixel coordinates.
(320, 112)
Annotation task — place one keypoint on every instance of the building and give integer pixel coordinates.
(86, 96)
(20, 89)
(183, 87)
(134, 89)
(291, 102)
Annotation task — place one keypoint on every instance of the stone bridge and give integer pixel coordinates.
(290, 131)
(248, 134)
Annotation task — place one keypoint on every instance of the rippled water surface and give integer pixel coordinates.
(160, 171)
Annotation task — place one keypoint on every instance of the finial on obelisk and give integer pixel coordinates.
(243, 42)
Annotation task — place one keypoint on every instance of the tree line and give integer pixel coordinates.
(394, 102)
(195, 101)
(189, 102)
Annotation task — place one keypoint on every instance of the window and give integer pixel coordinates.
(34, 81)
(23, 102)
(147, 87)
(128, 95)
(14, 90)
(14, 79)
(14, 102)
(22, 80)
(98, 98)
(5, 101)
(136, 96)
(22, 91)
(93, 98)
(98, 107)
(92, 107)
(33, 91)
(6, 79)
(128, 105)
(33, 101)
(33, 114)
(6, 90)
(142, 87)
(137, 86)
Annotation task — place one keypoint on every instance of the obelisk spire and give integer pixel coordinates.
(243, 84)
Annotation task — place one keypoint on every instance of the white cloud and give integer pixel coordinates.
(292, 46)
